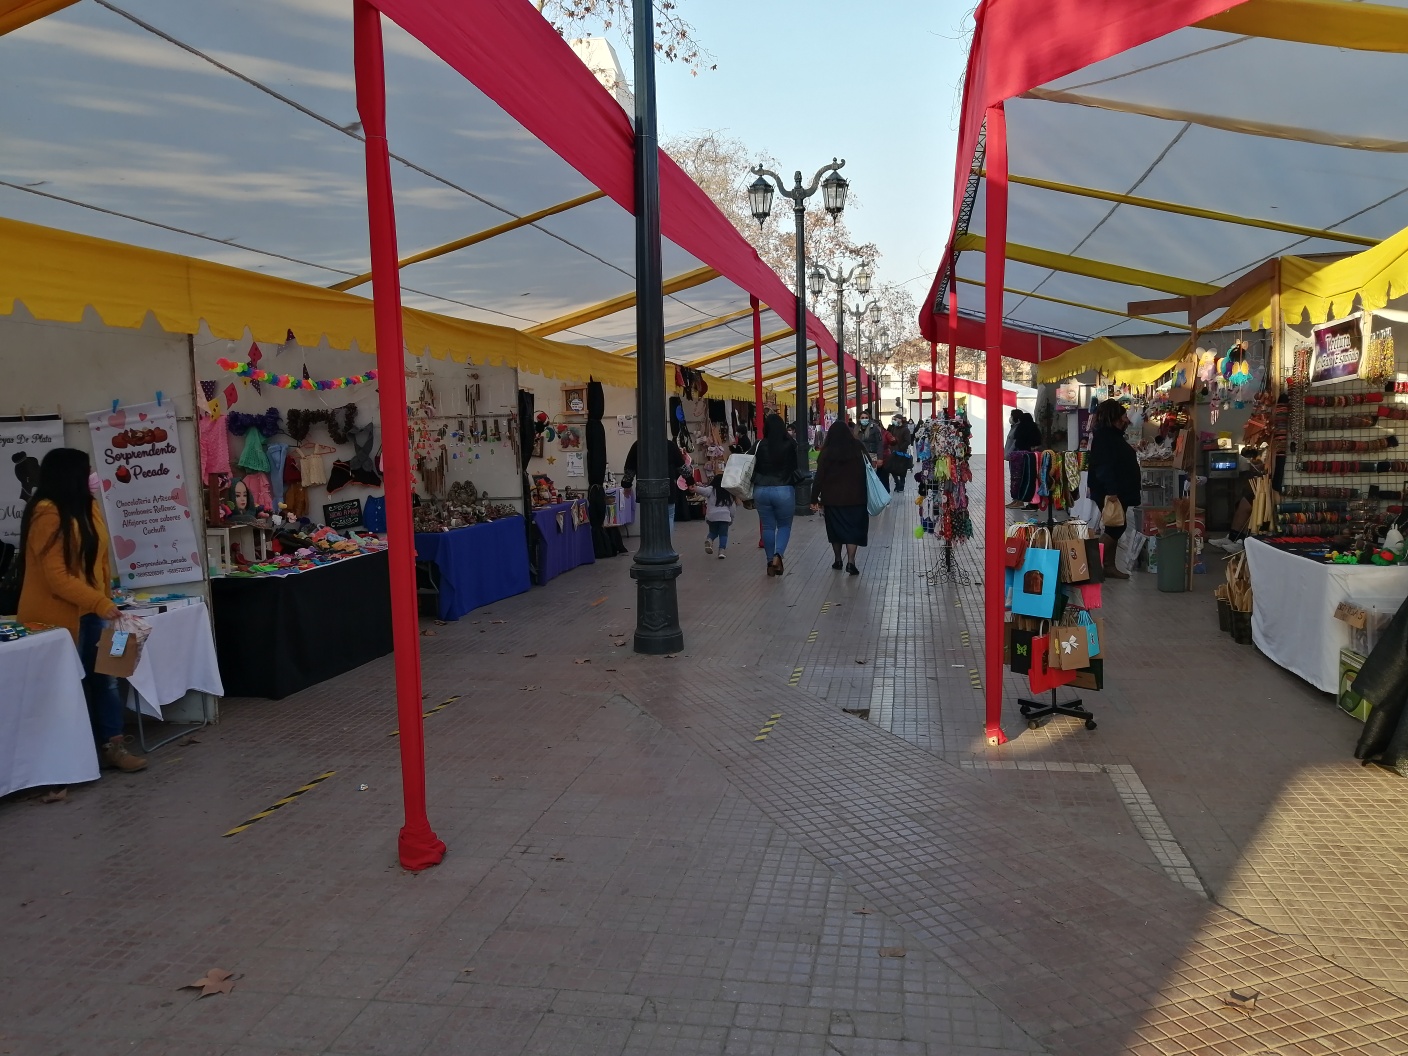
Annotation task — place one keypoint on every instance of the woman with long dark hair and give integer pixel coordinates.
(774, 472)
(67, 579)
(1113, 471)
(839, 487)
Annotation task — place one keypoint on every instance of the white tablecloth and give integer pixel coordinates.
(1293, 606)
(45, 736)
(177, 656)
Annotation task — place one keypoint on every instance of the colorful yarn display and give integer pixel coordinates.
(289, 381)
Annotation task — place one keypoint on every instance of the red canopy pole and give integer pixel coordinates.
(757, 370)
(952, 337)
(995, 261)
(418, 845)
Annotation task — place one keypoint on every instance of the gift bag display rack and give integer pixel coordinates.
(1033, 711)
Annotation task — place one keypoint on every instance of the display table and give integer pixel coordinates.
(45, 735)
(620, 508)
(178, 656)
(1293, 605)
(566, 548)
(478, 565)
(275, 635)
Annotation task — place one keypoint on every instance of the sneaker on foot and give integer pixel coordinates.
(708, 546)
(115, 756)
(722, 555)
(1235, 546)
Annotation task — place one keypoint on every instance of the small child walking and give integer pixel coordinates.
(718, 514)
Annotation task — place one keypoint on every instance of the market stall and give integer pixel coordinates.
(566, 538)
(475, 565)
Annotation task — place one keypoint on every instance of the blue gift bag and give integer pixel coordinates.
(1092, 631)
(1034, 592)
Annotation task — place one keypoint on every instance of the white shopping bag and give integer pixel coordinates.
(738, 476)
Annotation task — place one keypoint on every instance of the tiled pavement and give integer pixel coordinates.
(632, 871)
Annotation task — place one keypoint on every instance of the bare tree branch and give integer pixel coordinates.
(675, 39)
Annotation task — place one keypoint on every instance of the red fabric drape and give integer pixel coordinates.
(511, 53)
(1016, 344)
(418, 845)
(994, 577)
(1021, 44)
(936, 382)
(952, 342)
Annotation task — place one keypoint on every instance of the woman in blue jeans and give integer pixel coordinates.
(774, 471)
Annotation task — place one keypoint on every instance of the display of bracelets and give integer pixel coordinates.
(1300, 532)
(1346, 421)
(1312, 507)
(1352, 399)
(1352, 447)
(1393, 411)
(1313, 518)
(1318, 466)
(1400, 387)
(1317, 491)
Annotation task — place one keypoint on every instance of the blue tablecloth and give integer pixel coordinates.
(478, 565)
(565, 549)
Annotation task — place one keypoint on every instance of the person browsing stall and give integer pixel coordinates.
(1113, 473)
(66, 581)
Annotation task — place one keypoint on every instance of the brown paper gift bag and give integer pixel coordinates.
(1070, 650)
(124, 663)
(1075, 564)
(1112, 512)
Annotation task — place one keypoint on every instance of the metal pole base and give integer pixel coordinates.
(803, 507)
(658, 630)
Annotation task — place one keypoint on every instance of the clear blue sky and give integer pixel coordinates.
(874, 83)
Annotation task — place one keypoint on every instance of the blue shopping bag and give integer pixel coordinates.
(1092, 631)
(877, 496)
(1034, 592)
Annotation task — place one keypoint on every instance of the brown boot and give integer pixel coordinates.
(1109, 547)
(115, 756)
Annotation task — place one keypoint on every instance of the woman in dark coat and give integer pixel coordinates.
(839, 487)
(1113, 470)
(774, 470)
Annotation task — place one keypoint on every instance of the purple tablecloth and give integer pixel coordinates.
(565, 549)
(625, 507)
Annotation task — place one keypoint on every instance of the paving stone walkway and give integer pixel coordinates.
(713, 853)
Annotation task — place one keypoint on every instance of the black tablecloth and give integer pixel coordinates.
(275, 635)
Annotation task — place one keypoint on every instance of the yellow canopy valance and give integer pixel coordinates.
(58, 274)
(1327, 290)
(16, 13)
(1108, 357)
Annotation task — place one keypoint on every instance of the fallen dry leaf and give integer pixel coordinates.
(529, 656)
(588, 660)
(559, 857)
(498, 621)
(863, 912)
(429, 634)
(215, 981)
(669, 656)
(186, 742)
(527, 689)
(862, 661)
(892, 951)
(619, 645)
(497, 777)
(441, 623)
(609, 669)
(54, 795)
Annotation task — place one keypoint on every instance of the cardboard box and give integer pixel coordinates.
(117, 656)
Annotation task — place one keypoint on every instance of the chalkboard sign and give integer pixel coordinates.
(344, 514)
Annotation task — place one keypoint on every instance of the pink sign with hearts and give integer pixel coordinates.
(137, 454)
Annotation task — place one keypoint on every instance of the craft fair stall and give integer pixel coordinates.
(1083, 202)
(509, 224)
(125, 397)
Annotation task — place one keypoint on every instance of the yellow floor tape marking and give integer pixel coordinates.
(767, 727)
(796, 677)
(281, 803)
(427, 714)
(811, 637)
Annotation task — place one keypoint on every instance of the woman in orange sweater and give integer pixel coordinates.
(67, 576)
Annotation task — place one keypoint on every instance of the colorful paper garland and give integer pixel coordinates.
(288, 381)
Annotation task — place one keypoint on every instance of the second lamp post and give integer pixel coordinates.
(816, 281)
(833, 197)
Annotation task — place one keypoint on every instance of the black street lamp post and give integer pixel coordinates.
(816, 281)
(656, 565)
(833, 197)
